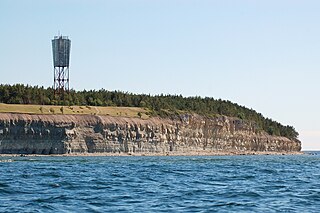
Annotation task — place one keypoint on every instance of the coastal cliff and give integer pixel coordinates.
(70, 134)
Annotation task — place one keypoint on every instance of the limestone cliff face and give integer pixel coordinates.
(62, 134)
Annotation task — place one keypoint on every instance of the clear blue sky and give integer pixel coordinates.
(260, 54)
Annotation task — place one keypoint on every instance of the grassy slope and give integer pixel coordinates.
(73, 110)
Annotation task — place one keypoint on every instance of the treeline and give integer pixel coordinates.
(162, 105)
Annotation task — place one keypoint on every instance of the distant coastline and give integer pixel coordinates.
(34, 120)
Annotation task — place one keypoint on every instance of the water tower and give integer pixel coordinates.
(61, 56)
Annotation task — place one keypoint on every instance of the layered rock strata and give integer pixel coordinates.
(64, 134)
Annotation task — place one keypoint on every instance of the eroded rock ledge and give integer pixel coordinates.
(63, 134)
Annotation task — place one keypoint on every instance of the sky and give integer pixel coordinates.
(260, 54)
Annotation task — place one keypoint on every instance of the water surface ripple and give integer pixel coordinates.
(160, 184)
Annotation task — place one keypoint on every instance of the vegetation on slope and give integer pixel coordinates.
(161, 105)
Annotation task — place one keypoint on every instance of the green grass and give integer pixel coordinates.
(74, 110)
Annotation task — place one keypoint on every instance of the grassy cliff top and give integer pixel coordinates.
(74, 110)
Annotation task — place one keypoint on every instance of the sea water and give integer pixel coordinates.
(161, 184)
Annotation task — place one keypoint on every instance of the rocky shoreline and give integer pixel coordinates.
(106, 154)
(86, 135)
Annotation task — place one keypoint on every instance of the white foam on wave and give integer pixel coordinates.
(6, 161)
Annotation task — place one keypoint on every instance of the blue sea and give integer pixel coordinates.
(161, 184)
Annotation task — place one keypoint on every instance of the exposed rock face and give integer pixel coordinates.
(61, 134)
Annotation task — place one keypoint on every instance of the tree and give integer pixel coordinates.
(51, 110)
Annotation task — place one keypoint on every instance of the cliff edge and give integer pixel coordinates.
(67, 134)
